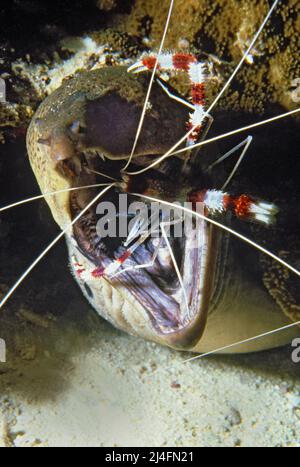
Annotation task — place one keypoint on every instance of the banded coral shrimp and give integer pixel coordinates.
(128, 350)
(149, 63)
(190, 132)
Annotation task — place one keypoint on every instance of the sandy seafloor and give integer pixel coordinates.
(79, 382)
(72, 380)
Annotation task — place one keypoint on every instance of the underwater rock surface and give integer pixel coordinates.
(122, 30)
(225, 29)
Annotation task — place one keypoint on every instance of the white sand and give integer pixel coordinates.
(80, 382)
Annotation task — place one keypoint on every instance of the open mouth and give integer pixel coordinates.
(176, 305)
(85, 136)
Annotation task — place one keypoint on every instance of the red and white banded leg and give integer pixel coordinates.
(164, 228)
(162, 225)
(244, 206)
(141, 230)
(109, 271)
(112, 269)
(197, 74)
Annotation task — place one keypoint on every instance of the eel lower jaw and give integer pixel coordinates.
(177, 313)
(177, 307)
(198, 277)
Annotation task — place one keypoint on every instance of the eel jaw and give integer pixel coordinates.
(156, 289)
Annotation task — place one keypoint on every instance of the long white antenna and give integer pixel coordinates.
(171, 151)
(223, 227)
(49, 247)
(240, 130)
(244, 56)
(215, 138)
(246, 240)
(150, 87)
(177, 270)
(51, 193)
(251, 339)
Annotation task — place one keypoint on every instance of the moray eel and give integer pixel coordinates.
(88, 125)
